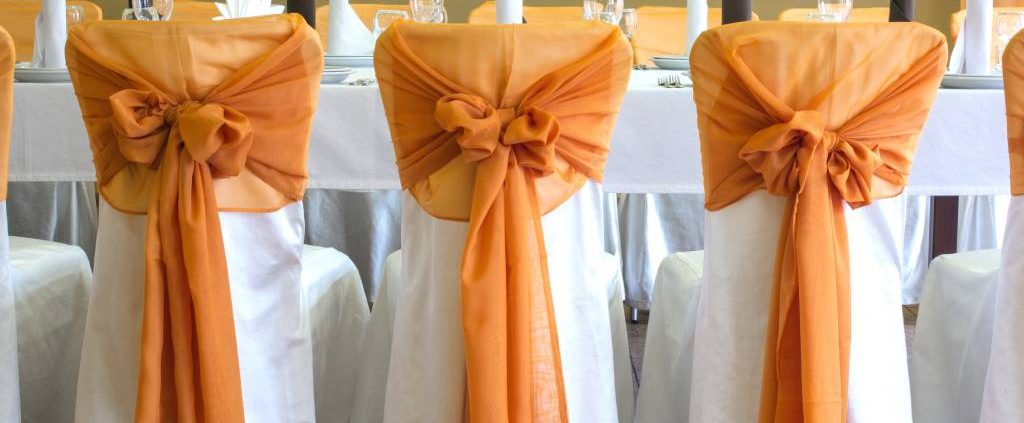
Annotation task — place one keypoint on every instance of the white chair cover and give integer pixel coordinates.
(10, 401)
(1003, 399)
(917, 246)
(731, 320)
(668, 354)
(426, 373)
(952, 337)
(52, 283)
(272, 307)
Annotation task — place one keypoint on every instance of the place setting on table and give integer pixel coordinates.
(976, 58)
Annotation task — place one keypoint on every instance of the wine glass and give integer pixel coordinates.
(431, 11)
(141, 10)
(824, 17)
(840, 7)
(384, 18)
(614, 6)
(591, 8)
(75, 14)
(629, 22)
(1007, 25)
(164, 8)
(606, 17)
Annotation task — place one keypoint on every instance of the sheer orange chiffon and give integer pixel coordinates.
(185, 120)
(6, 106)
(499, 134)
(1013, 77)
(823, 127)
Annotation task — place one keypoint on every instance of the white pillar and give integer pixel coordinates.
(696, 21)
(510, 11)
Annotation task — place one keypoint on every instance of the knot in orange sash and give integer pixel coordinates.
(481, 129)
(165, 144)
(850, 140)
(785, 153)
(525, 157)
(217, 134)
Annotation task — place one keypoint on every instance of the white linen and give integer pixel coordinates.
(351, 149)
(696, 21)
(652, 226)
(426, 376)
(332, 295)
(64, 212)
(981, 222)
(509, 11)
(733, 310)
(51, 34)
(917, 246)
(272, 332)
(1003, 399)
(346, 33)
(668, 353)
(625, 403)
(10, 401)
(235, 9)
(977, 35)
(376, 356)
(952, 337)
(52, 283)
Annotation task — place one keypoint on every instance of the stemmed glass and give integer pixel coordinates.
(1007, 25)
(431, 11)
(591, 8)
(629, 22)
(384, 18)
(836, 7)
(75, 14)
(615, 7)
(140, 10)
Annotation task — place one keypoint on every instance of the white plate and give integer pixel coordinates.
(349, 61)
(27, 74)
(977, 82)
(335, 74)
(672, 62)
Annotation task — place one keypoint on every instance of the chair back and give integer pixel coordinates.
(217, 118)
(857, 14)
(1013, 77)
(770, 119)
(18, 17)
(497, 125)
(194, 10)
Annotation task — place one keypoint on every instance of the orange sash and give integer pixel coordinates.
(489, 134)
(6, 106)
(1013, 76)
(185, 119)
(822, 127)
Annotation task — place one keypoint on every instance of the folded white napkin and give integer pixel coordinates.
(232, 9)
(509, 11)
(346, 33)
(976, 35)
(51, 35)
(696, 21)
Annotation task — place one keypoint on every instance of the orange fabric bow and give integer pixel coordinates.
(528, 149)
(6, 106)
(850, 141)
(186, 153)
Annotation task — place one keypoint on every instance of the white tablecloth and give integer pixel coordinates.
(655, 148)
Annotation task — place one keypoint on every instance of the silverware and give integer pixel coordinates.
(363, 82)
(671, 81)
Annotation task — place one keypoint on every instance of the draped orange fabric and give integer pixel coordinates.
(499, 133)
(857, 14)
(1013, 77)
(822, 127)
(19, 18)
(185, 119)
(194, 10)
(6, 106)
